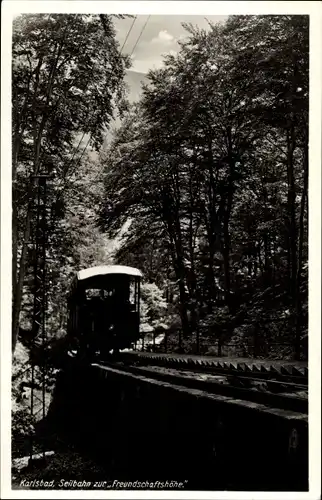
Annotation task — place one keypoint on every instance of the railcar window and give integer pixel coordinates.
(93, 292)
(132, 292)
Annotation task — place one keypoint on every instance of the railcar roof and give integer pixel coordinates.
(103, 270)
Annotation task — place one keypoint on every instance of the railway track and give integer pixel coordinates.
(274, 373)
(281, 393)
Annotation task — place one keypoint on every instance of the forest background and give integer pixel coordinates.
(203, 186)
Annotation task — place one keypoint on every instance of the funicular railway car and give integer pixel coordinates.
(104, 310)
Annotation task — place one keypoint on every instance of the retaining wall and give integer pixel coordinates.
(143, 429)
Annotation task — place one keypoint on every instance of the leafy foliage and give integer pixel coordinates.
(210, 171)
(67, 84)
(153, 308)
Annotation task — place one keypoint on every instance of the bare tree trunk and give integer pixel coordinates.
(192, 276)
(259, 257)
(14, 240)
(226, 219)
(292, 230)
(226, 257)
(219, 345)
(291, 209)
(180, 267)
(180, 276)
(172, 224)
(210, 271)
(298, 307)
(212, 226)
(19, 125)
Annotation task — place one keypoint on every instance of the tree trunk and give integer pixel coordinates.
(19, 288)
(210, 272)
(212, 224)
(298, 304)
(19, 125)
(226, 257)
(172, 225)
(180, 267)
(292, 230)
(291, 209)
(219, 346)
(14, 240)
(226, 219)
(179, 273)
(192, 281)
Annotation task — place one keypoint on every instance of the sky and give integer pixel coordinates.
(159, 37)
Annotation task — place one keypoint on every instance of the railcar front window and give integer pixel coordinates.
(95, 293)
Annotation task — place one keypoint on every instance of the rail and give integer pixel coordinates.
(276, 394)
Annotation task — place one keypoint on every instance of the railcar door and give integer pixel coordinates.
(130, 313)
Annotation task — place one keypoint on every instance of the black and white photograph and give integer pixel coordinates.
(159, 286)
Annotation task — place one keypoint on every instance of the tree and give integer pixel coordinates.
(67, 81)
(211, 167)
(276, 50)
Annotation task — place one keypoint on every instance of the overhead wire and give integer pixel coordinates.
(135, 45)
(127, 36)
(128, 33)
(146, 22)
